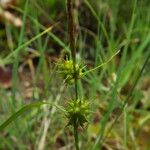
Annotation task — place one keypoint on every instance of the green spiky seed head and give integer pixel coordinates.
(78, 112)
(66, 69)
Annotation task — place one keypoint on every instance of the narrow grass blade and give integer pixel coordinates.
(26, 44)
(101, 65)
(128, 97)
(97, 18)
(53, 36)
(24, 109)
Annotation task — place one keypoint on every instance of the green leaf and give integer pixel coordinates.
(24, 109)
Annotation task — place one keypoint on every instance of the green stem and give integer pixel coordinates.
(71, 32)
(76, 136)
(101, 65)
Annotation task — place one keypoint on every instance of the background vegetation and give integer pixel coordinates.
(28, 73)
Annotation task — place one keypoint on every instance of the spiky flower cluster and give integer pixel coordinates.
(66, 68)
(77, 112)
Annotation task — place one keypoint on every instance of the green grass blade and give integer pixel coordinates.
(24, 109)
(128, 68)
(128, 97)
(53, 36)
(101, 65)
(97, 18)
(20, 112)
(26, 44)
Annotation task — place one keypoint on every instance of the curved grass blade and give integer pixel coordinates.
(101, 65)
(24, 109)
(6, 60)
(53, 36)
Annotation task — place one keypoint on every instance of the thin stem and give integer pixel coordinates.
(76, 136)
(101, 64)
(71, 30)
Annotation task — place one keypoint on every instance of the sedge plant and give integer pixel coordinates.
(78, 109)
